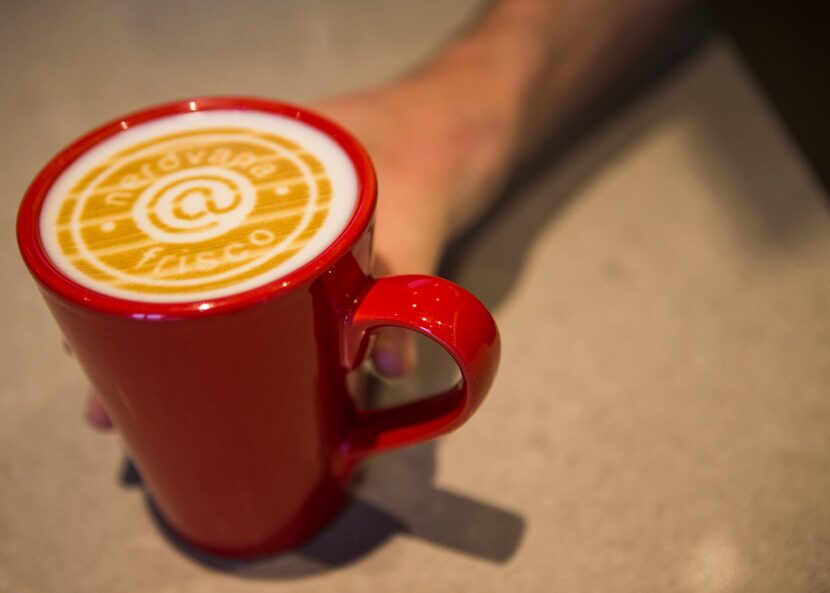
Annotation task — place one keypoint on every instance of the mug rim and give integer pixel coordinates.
(55, 281)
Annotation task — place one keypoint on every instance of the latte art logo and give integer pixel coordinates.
(202, 203)
(192, 212)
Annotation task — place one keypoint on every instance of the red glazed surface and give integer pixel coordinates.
(236, 409)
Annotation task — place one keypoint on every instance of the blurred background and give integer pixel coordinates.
(659, 272)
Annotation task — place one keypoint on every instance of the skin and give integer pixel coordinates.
(445, 137)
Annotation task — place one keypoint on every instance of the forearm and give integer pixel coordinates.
(521, 69)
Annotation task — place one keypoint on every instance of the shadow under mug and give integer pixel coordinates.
(242, 411)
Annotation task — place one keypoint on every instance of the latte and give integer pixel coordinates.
(198, 205)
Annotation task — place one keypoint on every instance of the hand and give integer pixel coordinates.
(415, 183)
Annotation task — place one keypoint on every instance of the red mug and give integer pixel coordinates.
(240, 410)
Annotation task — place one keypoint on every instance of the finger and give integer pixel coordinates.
(394, 354)
(96, 415)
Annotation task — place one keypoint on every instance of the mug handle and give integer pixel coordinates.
(447, 314)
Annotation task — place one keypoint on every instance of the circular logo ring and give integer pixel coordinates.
(153, 229)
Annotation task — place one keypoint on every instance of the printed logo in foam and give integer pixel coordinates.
(192, 212)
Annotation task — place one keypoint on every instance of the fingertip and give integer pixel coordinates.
(394, 353)
(390, 364)
(96, 415)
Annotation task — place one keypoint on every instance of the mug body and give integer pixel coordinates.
(234, 420)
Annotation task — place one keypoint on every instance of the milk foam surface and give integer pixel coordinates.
(198, 205)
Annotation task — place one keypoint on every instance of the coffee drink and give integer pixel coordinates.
(198, 205)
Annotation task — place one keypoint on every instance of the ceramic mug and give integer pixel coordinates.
(240, 410)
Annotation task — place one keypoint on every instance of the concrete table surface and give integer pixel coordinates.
(661, 421)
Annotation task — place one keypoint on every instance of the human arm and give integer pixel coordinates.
(445, 137)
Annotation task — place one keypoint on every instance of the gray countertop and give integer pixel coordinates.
(661, 420)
